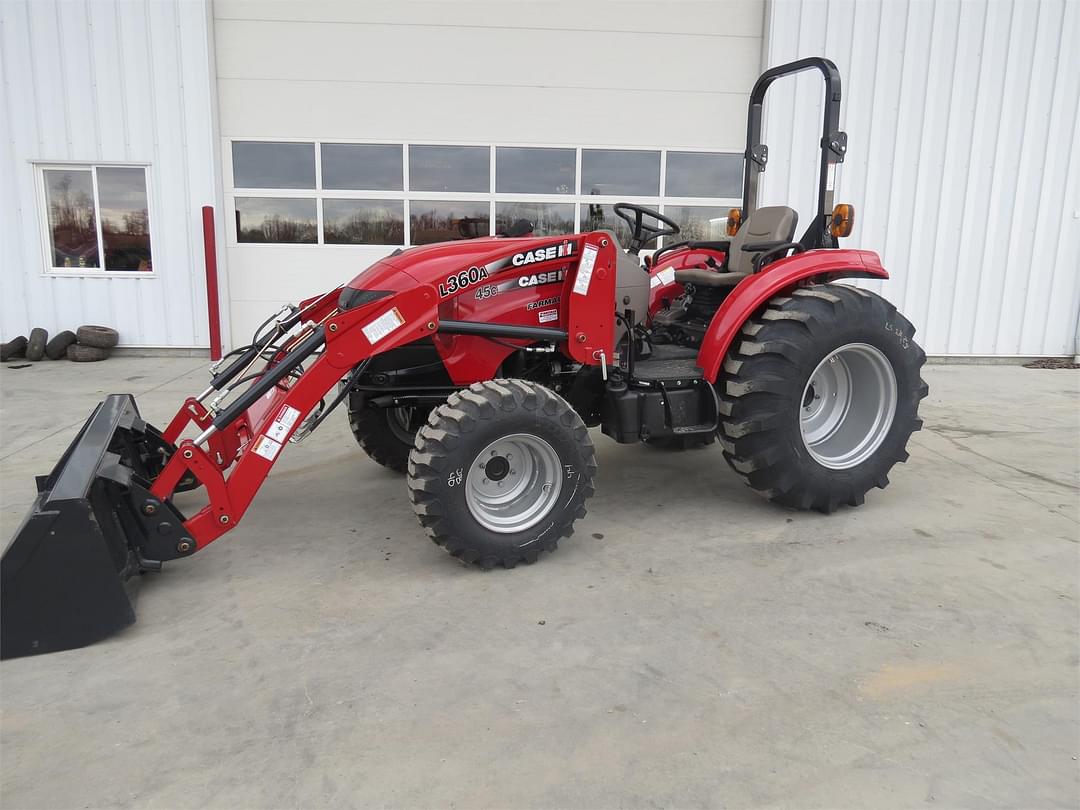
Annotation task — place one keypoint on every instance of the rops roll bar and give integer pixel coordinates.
(833, 140)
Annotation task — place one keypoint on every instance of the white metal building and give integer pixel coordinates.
(325, 134)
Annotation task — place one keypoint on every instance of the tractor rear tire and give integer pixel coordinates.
(500, 472)
(35, 347)
(819, 395)
(387, 435)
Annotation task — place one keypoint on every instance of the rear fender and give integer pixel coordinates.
(778, 278)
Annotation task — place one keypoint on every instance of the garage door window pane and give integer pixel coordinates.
(270, 219)
(69, 196)
(125, 221)
(596, 217)
(520, 170)
(700, 174)
(362, 166)
(548, 219)
(699, 222)
(445, 221)
(257, 164)
(449, 168)
(363, 222)
(620, 171)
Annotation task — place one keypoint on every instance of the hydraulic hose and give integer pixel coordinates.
(272, 377)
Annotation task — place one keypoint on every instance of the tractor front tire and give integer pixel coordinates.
(819, 395)
(387, 435)
(500, 472)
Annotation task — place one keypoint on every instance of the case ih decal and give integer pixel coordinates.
(543, 254)
(536, 279)
(474, 275)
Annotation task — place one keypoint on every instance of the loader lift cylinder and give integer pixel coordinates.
(267, 381)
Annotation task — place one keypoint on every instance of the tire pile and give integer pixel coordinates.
(87, 344)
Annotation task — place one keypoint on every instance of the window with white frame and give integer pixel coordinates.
(96, 218)
(413, 194)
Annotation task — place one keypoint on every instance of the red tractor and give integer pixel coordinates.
(476, 367)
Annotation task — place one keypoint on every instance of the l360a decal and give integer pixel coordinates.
(459, 281)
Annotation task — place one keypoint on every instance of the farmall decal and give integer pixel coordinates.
(543, 254)
(543, 302)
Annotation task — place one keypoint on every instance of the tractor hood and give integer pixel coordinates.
(440, 263)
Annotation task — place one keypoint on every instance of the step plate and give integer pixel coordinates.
(674, 369)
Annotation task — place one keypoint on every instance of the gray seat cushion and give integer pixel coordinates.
(774, 223)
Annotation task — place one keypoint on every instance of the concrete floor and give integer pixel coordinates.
(692, 645)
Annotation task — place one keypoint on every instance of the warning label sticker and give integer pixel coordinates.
(267, 448)
(383, 325)
(283, 424)
(585, 269)
(663, 278)
(549, 315)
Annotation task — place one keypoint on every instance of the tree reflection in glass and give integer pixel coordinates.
(276, 219)
(125, 223)
(446, 221)
(69, 195)
(548, 219)
(363, 222)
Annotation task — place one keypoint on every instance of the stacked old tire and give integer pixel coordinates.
(93, 343)
(87, 344)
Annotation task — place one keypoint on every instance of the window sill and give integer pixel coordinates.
(65, 273)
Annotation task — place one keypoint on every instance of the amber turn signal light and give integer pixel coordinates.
(734, 220)
(843, 220)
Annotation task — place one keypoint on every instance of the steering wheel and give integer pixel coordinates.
(643, 233)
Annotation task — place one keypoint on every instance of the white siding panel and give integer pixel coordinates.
(395, 54)
(962, 125)
(723, 17)
(529, 115)
(108, 81)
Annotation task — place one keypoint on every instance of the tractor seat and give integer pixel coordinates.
(774, 223)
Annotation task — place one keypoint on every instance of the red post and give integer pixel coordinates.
(210, 256)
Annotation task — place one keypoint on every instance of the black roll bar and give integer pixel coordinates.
(833, 141)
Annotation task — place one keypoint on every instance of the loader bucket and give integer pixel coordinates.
(64, 576)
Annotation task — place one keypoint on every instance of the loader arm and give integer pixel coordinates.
(275, 409)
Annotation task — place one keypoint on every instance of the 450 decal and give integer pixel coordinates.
(459, 281)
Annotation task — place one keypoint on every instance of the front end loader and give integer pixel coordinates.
(476, 367)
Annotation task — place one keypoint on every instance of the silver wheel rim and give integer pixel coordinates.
(848, 406)
(400, 421)
(513, 483)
